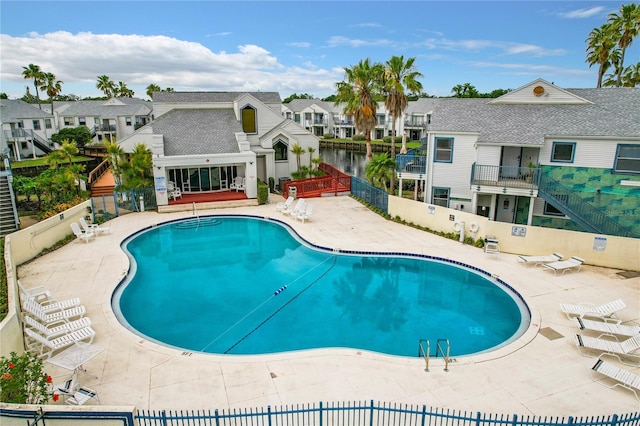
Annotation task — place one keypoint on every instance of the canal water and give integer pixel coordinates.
(350, 162)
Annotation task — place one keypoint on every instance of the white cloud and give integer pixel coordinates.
(582, 13)
(141, 60)
(302, 44)
(336, 41)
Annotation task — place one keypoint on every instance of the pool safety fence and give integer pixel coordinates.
(124, 202)
(371, 195)
(367, 414)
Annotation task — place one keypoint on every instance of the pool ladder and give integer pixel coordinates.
(426, 353)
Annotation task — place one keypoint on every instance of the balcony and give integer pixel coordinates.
(416, 122)
(411, 164)
(506, 177)
(105, 128)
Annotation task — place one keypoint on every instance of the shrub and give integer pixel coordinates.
(359, 137)
(263, 192)
(387, 139)
(23, 380)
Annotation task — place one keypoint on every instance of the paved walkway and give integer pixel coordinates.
(541, 374)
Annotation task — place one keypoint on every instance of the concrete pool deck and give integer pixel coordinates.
(542, 373)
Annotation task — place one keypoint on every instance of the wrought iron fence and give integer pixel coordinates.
(367, 413)
(370, 194)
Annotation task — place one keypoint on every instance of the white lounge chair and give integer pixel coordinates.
(582, 310)
(626, 348)
(285, 204)
(539, 260)
(93, 227)
(626, 379)
(35, 309)
(39, 293)
(47, 347)
(565, 265)
(51, 305)
(174, 191)
(295, 208)
(305, 214)
(81, 235)
(51, 331)
(82, 395)
(608, 327)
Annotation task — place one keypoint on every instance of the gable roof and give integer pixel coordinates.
(212, 97)
(104, 108)
(610, 112)
(12, 110)
(198, 131)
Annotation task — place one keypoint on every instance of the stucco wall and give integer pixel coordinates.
(618, 253)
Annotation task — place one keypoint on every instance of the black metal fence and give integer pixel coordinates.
(370, 194)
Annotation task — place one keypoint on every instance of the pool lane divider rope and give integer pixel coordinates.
(334, 257)
(275, 293)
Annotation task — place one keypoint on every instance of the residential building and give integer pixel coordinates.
(26, 130)
(108, 120)
(201, 141)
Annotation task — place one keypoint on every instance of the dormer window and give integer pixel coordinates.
(249, 120)
(281, 150)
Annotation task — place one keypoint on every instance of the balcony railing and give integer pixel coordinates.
(408, 163)
(105, 128)
(415, 122)
(504, 176)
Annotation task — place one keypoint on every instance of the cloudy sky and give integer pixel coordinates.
(296, 46)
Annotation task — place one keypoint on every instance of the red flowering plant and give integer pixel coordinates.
(23, 380)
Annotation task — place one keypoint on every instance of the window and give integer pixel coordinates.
(281, 150)
(440, 197)
(36, 124)
(24, 145)
(249, 120)
(551, 210)
(627, 159)
(296, 117)
(82, 121)
(68, 121)
(288, 115)
(562, 152)
(128, 121)
(47, 123)
(444, 150)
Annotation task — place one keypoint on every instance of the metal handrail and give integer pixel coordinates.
(504, 176)
(445, 355)
(423, 353)
(409, 163)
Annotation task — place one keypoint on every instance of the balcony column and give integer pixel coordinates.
(474, 202)
(532, 201)
(399, 187)
(492, 209)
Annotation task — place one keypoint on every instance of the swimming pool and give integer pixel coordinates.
(249, 285)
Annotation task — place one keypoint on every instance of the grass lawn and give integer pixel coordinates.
(33, 162)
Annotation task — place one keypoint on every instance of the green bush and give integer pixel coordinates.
(23, 380)
(327, 136)
(263, 192)
(387, 139)
(359, 137)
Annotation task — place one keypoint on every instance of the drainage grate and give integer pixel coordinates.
(550, 333)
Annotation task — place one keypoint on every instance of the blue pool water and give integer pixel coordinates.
(244, 285)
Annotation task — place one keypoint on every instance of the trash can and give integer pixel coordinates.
(293, 192)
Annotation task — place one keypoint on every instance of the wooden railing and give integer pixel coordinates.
(96, 173)
(334, 182)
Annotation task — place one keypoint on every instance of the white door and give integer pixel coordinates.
(505, 208)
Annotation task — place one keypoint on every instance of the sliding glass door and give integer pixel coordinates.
(203, 179)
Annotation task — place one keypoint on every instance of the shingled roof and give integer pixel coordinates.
(213, 97)
(12, 110)
(198, 131)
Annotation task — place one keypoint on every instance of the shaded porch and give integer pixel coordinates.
(208, 197)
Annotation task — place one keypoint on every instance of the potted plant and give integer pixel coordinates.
(532, 166)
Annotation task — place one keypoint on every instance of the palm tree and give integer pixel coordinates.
(380, 169)
(69, 150)
(151, 89)
(123, 91)
(599, 46)
(362, 84)
(138, 171)
(399, 75)
(52, 86)
(298, 151)
(33, 72)
(116, 156)
(311, 150)
(106, 86)
(627, 25)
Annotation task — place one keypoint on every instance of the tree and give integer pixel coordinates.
(137, 171)
(51, 86)
(466, 90)
(626, 25)
(296, 96)
(599, 45)
(33, 72)
(105, 85)
(298, 151)
(380, 169)
(116, 157)
(357, 93)
(399, 75)
(80, 135)
(3, 96)
(151, 89)
(123, 91)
